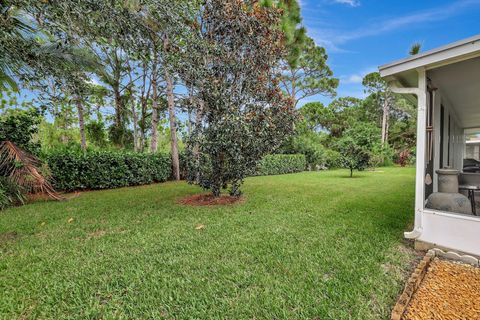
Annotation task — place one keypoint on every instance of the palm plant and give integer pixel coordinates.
(415, 48)
(27, 49)
(24, 170)
(10, 193)
(14, 31)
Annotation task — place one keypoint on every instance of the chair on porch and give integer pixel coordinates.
(470, 182)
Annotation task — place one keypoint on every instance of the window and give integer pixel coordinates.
(472, 147)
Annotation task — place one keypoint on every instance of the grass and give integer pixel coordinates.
(314, 245)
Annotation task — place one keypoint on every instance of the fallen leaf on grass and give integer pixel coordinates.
(200, 227)
(70, 220)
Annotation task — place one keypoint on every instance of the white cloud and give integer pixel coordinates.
(332, 39)
(354, 78)
(352, 3)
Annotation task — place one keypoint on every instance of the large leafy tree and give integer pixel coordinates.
(292, 27)
(375, 85)
(335, 118)
(130, 46)
(230, 60)
(304, 69)
(308, 74)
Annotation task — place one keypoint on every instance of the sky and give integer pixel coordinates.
(360, 35)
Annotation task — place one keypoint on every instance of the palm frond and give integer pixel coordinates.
(24, 169)
(14, 22)
(415, 48)
(7, 82)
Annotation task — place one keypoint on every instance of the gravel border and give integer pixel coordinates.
(411, 286)
(419, 273)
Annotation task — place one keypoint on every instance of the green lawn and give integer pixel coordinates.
(314, 245)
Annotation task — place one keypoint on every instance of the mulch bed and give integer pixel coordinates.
(209, 200)
(449, 290)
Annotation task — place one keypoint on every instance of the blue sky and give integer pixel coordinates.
(360, 35)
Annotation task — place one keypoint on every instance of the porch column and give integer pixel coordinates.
(421, 93)
(421, 152)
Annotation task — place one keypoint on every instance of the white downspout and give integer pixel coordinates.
(421, 93)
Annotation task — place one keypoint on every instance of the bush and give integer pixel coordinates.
(10, 193)
(106, 169)
(312, 145)
(381, 156)
(20, 126)
(281, 164)
(332, 158)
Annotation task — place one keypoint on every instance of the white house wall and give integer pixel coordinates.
(451, 231)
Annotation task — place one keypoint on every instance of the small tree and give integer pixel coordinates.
(352, 155)
(230, 60)
(356, 146)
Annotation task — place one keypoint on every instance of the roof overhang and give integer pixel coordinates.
(454, 52)
(454, 69)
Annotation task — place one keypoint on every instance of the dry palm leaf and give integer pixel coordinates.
(23, 169)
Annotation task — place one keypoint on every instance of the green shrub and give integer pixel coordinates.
(106, 169)
(332, 158)
(312, 145)
(20, 127)
(10, 194)
(281, 164)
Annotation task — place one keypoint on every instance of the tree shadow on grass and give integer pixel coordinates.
(353, 177)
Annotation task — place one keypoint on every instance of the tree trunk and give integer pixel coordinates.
(294, 87)
(143, 124)
(384, 120)
(117, 96)
(387, 126)
(171, 113)
(135, 128)
(173, 126)
(118, 104)
(189, 122)
(196, 148)
(144, 96)
(189, 112)
(351, 172)
(81, 123)
(154, 142)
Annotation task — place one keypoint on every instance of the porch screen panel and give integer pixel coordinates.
(449, 139)
(430, 145)
(442, 136)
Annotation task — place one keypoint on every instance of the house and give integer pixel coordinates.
(445, 84)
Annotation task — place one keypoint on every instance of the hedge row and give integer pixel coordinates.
(106, 169)
(281, 164)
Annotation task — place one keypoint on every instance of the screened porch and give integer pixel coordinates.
(445, 84)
